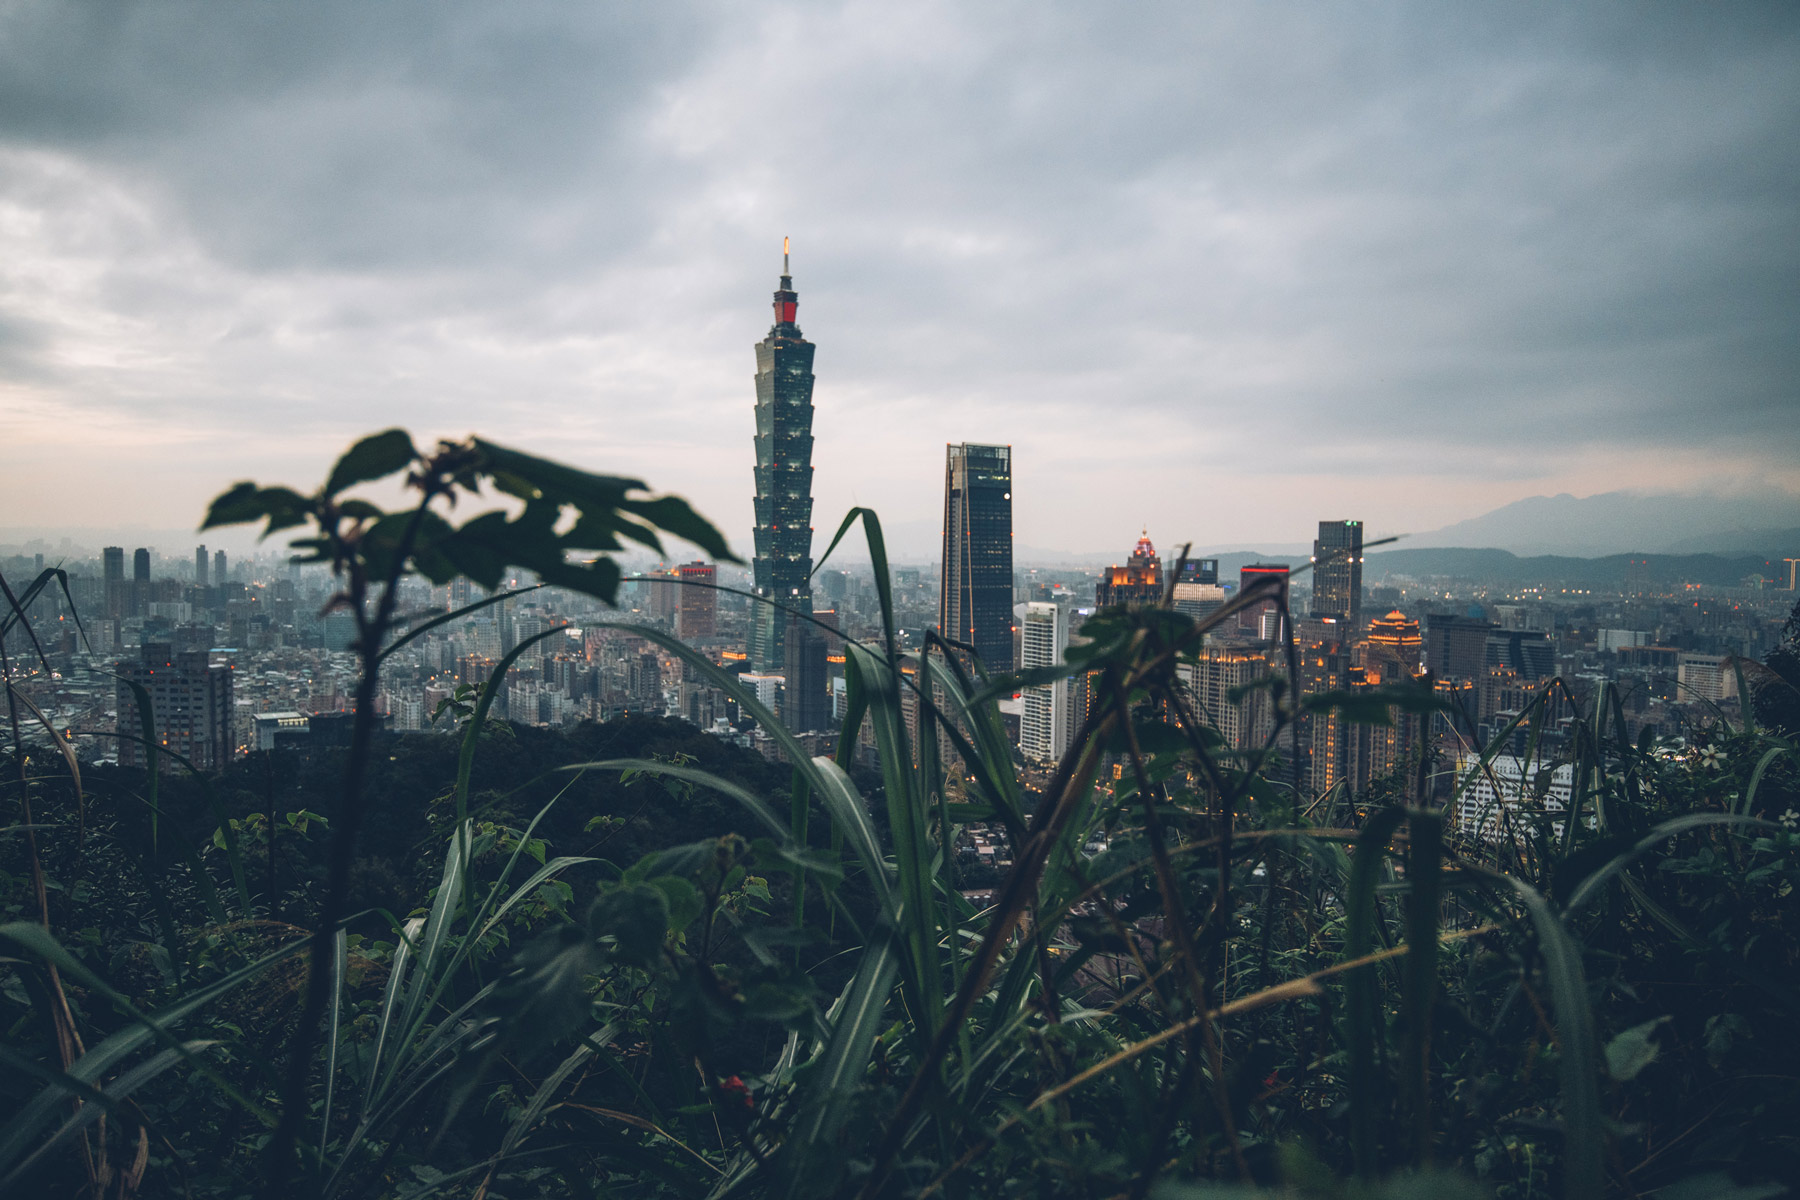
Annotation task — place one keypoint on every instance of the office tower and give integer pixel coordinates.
(1793, 566)
(117, 593)
(1134, 585)
(1456, 647)
(218, 572)
(1044, 722)
(1199, 570)
(1526, 651)
(784, 413)
(1337, 571)
(1199, 600)
(975, 597)
(805, 700)
(192, 701)
(697, 611)
(1256, 618)
(140, 582)
(663, 595)
(200, 565)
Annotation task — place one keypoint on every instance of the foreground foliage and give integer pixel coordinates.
(1192, 980)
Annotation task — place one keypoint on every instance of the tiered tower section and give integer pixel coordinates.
(784, 444)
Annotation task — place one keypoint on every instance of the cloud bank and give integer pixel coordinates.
(1222, 271)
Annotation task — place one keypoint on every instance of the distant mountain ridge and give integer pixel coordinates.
(1553, 570)
(1610, 523)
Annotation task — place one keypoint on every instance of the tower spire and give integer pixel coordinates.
(784, 257)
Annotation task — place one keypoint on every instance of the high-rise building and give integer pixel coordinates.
(1044, 720)
(1199, 570)
(140, 582)
(805, 694)
(784, 442)
(975, 596)
(662, 595)
(1393, 649)
(1324, 667)
(1219, 683)
(117, 593)
(218, 572)
(1337, 571)
(200, 564)
(1455, 646)
(191, 698)
(697, 611)
(1259, 619)
(1134, 585)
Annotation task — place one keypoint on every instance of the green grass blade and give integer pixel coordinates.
(1363, 1023)
(1756, 776)
(146, 1027)
(811, 1154)
(1591, 886)
(86, 1114)
(340, 961)
(390, 1008)
(465, 759)
(1424, 866)
(850, 814)
(1584, 1130)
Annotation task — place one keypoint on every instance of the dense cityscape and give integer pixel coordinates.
(238, 657)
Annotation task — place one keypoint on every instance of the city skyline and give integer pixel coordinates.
(1415, 269)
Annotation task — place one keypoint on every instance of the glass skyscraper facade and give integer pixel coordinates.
(975, 604)
(784, 444)
(1337, 571)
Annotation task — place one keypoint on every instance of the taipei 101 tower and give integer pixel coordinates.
(784, 412)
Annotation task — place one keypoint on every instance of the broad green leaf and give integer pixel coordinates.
(1630, 1052)
(374, 457)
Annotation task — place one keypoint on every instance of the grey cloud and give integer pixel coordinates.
(1561, 229)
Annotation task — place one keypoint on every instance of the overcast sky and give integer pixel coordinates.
(1224, 269)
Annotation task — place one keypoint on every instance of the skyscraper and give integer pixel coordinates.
(200, 565)
(140, 582)
(805, 702)
(784, 412)
(697, 611)
(975, 603)
(1261, 620)
(1044, 719)
(218, 575)
(1136, 584)
(1337, 571)
(118, 595)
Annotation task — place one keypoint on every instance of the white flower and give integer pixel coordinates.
(1790, 818)
(1712, 757)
